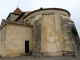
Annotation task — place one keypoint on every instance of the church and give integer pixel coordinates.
(42, 32)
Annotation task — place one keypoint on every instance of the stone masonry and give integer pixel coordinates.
(47, 31)
(37, 38)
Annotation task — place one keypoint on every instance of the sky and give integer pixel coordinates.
(73, 6)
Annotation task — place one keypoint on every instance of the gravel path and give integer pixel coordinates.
(39, 58)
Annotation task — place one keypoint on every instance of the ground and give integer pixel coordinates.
(39, 58)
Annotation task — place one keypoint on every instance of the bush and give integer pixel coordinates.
(41, 8)
(74, 31)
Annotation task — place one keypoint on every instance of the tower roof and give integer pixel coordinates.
(17, 11)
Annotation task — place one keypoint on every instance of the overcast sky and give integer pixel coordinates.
(73, 6)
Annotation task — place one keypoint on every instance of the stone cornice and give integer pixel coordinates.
(60, 9)
(13, 22)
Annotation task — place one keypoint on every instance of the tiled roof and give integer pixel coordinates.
(17, 11)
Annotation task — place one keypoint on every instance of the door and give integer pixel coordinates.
(26, 46)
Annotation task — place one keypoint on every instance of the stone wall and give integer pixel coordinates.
(2, 40)
(46, 12)
(53, 36)
(70, 41)
(21, 19)
(16, 35)
(50, 35)
(13, 17)
(37, 38)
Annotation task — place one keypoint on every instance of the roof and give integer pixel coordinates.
(27, 12)
(17, 11)
(20, 16)
(11, 13)
(48, 9)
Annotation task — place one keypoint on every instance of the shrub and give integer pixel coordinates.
(41, 8)
(74, 31)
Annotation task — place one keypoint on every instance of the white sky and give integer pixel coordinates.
(73, 6)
